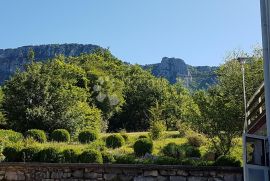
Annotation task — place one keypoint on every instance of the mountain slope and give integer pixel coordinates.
(12, 59)
(194, 77)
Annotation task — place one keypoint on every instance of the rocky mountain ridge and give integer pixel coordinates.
(194, 77)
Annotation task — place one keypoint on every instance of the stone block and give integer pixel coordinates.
(78, 174)
(167, 172)
(196, 173)
(110, 176)
(215, 179)
(182, 173)
(142, 178)
(162, 178)
(153, 173)
(91, 175)
(178, 178)
(197, 179)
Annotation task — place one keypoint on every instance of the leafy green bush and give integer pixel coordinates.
(165, 160)
(36, 134)
(196, 140)
(10, 136)
(125, 159)
(29, 154)
(192, 151)
(143, 146)
(125, 136)
(115, 141)
(87, 136)
(227, 161)
(157, 129)
(60, 135)
(70, 155)
(11, 153)
(173, 150)
(107, 157)
(183, 129)
(90, 156)
(50, 155)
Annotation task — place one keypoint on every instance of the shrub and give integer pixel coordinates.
(183, 129)
(143, 136)
(125, 159)
(60, 135)
(195, 139)
(70, 155)
(91, 156)
(193, 152)
(107, 157)
(29, 154)
(157, 129)
(10, 135)
(11, 153)
(38, 135)
(173, 150)
(143, 146)
(50, 155)
(227, 161)
(165, 160)
(115, 141)
(87, 136)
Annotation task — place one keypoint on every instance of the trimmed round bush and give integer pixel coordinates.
(36, 134)
(196, 140)
(142, 136)
(227, 161)
(115, 141)
(60, 135)
(10, 136)
(11, 154)
(143, 146)
(193, 152)
(87, 136)
(173, 150)
(49, 155)
(107, 157)
(70, 155)
(29, 154)
(91, 156)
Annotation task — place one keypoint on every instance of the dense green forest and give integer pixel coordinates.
(99, 92)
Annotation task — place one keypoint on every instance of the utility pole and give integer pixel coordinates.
(265, 14)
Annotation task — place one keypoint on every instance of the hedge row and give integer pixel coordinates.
(59, 135)
(55, 155)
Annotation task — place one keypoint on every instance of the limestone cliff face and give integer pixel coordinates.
(194, 77)
(12, 59)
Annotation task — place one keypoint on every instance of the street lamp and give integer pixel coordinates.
(242, 61)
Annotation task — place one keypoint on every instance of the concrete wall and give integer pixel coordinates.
(89, 172)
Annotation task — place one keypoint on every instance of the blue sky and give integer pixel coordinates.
(138, 31)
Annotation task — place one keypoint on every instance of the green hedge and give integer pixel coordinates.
(143, 146)
(60, 135)
(90, 156)
(36, 134)
(115, 141)
(87, 136)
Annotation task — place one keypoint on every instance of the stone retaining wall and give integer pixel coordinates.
(89, 172)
